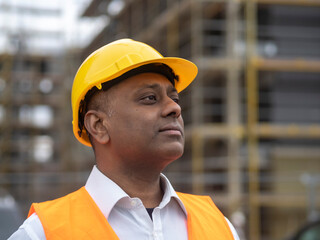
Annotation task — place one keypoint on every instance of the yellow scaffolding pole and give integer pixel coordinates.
(252, 119)
(197, 102)
(233, 107)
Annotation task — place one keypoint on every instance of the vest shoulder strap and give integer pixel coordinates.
(74, 216)
(205, 221)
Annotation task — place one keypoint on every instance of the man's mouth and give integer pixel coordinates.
(172, 130)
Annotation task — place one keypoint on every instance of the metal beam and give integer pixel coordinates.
(287, 65)
(288, 131)
(291, 2)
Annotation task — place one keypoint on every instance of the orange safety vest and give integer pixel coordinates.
(76, 216)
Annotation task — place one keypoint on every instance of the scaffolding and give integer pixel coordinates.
(251, 117)
(243, 120)
(35, 83)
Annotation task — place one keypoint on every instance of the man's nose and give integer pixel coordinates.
(171, 108)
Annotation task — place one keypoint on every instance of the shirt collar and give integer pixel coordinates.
(104, 191)
(107, 193)
(169, 193)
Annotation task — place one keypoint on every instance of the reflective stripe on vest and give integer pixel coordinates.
(76, 216)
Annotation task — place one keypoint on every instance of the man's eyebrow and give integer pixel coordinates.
(173, 89)
(170, 88)
(148, 85)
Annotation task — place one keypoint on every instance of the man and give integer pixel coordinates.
(126, 106)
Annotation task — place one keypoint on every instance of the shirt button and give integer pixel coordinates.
(133, 203)
(155, 235)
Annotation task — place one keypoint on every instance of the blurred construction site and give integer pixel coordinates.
(252, 117)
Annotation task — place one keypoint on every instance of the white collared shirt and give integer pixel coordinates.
(127, 216)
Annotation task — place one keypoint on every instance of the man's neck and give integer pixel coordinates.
(146, 186)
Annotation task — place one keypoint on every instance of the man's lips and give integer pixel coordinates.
(172, 129)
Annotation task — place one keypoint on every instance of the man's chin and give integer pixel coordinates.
(174, 154)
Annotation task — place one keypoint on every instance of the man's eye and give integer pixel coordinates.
(176, 100)
(149, 99)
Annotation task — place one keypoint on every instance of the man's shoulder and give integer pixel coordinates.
(198, 203)
(194, 197)
(207, 218)
(53, 204)
(69, 196)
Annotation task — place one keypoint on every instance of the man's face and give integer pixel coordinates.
(144, 120)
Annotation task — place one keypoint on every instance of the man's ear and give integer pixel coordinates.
(95, 123)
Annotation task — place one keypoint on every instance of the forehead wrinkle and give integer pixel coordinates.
(170, 87)
(148, 85)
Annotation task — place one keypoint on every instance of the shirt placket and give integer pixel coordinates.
(157, 225)
(142, 217)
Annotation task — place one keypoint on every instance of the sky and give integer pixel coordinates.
(43, 27)
(46, 26)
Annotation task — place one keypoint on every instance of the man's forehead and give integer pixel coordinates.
(149, 80)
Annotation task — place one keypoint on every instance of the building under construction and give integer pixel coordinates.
(35, 115)
(252, 116)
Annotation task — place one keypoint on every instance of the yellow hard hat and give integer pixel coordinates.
(115, 59)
